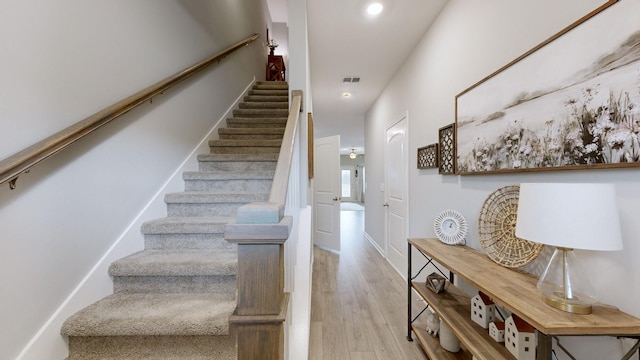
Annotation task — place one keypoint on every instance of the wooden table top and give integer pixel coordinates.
(516, 291)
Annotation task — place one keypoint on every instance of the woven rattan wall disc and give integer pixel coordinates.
(497, 228)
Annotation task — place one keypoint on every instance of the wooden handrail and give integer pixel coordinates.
(271, 212)
(278, 194)
(21, 162)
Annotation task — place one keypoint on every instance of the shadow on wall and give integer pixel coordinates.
(218, 20)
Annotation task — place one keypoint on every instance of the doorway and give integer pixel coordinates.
(348, 183)
(395, 196)
(326, 198)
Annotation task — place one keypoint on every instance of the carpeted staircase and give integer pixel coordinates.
(173, 299)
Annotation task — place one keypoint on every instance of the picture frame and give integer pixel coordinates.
(428, 156)
(310, 147)
(447, 150)
(560, 106)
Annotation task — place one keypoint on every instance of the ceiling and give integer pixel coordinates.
(346, 42)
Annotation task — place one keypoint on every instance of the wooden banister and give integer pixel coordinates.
(271, 212)
(261, 230)
(19, 163)
(281, 178)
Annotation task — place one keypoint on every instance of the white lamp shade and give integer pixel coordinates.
(575, 216)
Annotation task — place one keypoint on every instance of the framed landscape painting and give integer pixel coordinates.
(572, 102)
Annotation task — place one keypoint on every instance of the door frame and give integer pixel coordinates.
(403, 117)
(352, 183)
(329, 199)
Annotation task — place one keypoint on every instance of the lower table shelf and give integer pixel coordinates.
(454, 308)
(431, 346)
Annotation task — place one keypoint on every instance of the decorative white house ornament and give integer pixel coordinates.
(496, 331)
(520, 338)
(482, 310)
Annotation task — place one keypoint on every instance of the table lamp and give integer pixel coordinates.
(568, 216)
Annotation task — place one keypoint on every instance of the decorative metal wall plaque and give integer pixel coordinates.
(447, 150)
(428, 156)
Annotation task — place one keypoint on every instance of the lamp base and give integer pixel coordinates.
(567, 305)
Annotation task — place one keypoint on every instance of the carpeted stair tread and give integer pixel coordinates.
(238, 157)
(153, 347)
(272, 84)
(205, 197)
(248, 133)
(259, 92)
(266, 98)
(243, 183)
(153, 314)
(227, 175)
(186, 225)
(259, 161)
(259, 105)
(241, 122)
(245, 143)
(261, 113)
(251, 131)
(259, 120)
(206, 202)
(217, 148)
(177, 263)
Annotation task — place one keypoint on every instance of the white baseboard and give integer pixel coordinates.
(382, 253)
(47, 343)
(374, 244)
(297, 341)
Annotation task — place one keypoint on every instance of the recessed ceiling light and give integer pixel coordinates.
(346, 94)
(374, 8)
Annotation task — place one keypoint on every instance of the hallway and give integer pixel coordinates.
(358, 305)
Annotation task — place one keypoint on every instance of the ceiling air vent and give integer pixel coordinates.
(350, 79)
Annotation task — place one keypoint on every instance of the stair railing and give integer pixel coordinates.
(21, 162)
(261, 230)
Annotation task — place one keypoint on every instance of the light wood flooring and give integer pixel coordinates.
(358, 302)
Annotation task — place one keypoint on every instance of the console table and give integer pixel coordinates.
(276, 70)
(511, 289)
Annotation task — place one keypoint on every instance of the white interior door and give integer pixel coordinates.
(327, 187)
(396, 158)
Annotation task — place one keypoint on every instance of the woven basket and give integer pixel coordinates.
(497, 228)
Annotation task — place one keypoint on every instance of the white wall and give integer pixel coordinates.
(468, 41)
(298, 78)
(61, 62)
(299, 246)
(281, 36)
